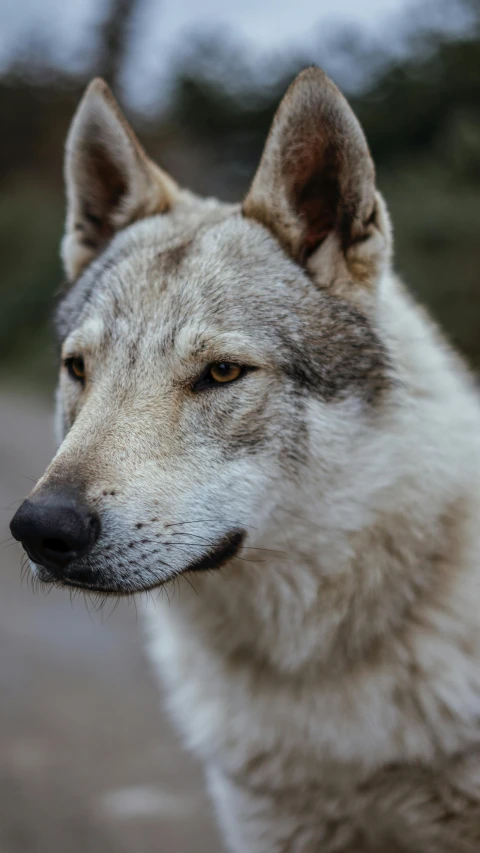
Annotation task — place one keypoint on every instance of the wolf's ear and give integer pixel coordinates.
(110, 181)
(316, 176)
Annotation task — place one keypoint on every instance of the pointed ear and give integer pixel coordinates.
(110, 181)
(316, 176)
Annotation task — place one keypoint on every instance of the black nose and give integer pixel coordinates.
(55, 528)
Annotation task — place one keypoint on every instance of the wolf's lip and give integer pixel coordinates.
(215, 558)
(227, 548)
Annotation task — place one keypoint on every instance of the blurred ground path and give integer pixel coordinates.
(88, 763)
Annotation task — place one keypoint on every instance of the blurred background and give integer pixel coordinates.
(87, 762)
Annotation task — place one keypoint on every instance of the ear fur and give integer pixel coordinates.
(110, 181)
(316, 178)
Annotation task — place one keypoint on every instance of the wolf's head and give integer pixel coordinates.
(218, 363)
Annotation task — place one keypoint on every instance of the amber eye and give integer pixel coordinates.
(221, 373)
(224, 371)
(76, 367)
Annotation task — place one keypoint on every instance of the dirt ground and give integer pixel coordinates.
(88, 761)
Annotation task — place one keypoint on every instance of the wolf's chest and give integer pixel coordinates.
(241, 717)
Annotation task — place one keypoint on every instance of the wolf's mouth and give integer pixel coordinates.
(216, 557)
(224, 550)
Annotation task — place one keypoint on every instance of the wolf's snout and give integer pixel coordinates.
(55, 528)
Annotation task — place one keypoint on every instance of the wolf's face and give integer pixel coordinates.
(200, 341)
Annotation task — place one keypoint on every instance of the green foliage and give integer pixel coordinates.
(30, 225)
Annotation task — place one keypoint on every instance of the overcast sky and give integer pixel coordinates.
(162, 27)
(264, 23)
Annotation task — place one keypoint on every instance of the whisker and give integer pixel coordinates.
(86, 600)
(117, 602)
(211, 541)
(202, 520)
(244, 560)
(97, 602)
(297, 515)
(244, 547)
(184, 544)
(24, 567)
(193, 521)
(185, 578)
(18, 501)
(267, 550)
(189, 533)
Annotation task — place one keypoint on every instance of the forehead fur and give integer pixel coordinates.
(204, 270)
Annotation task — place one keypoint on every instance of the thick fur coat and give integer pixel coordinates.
(318, 513)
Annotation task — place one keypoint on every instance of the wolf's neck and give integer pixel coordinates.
(334, 609)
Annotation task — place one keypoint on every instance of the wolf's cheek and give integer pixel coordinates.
(243, 419)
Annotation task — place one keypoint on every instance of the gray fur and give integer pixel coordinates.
(327, 672)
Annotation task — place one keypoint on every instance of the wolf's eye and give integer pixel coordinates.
(220, 373)
(76, 367)
(225, 371)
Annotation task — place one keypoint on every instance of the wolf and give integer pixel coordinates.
(251, 406)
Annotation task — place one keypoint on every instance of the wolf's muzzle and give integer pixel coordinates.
(55, 528)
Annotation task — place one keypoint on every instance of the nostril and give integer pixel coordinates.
(58, 545)
(94, 528)
(93, 522)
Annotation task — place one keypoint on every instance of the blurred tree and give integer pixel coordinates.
(114, 38)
